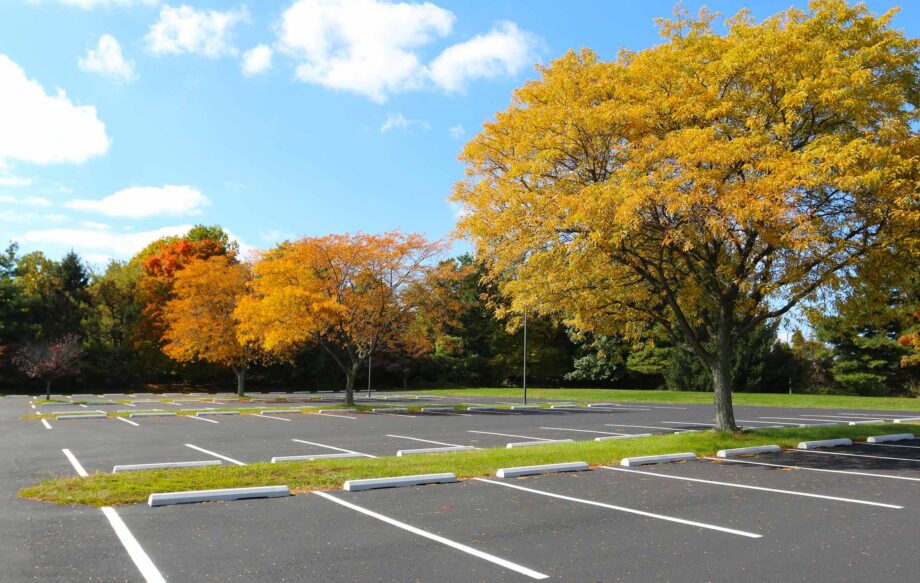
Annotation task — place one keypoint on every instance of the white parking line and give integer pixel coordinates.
(268, 416)
(638, 426)
(425, 440)
(509, 435)
(46, 424)
(876, 457)
(760, 488)
(439, 539)
(77, 466)
(331, 447)
(620, 408)
(799, 419)
(128, 421)
(624, 509)
(217, 455)
(334, 415)
(143, 563)
(890, 445)
(583, 430)
(199, 418)
(806, 468)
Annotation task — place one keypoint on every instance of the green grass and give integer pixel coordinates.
(693, 398)
(100, 489)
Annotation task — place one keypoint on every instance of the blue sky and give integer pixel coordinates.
(272, 119)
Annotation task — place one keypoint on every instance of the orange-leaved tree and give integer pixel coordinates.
(200, 321)
(701, 186)
(350, 294)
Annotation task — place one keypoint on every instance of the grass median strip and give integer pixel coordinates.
(102, 489)
(691, 398)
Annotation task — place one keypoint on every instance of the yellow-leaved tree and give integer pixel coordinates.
(701, 186)
(200, 319)
(351, 294)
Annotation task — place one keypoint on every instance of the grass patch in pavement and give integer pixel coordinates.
(692, 398)
(101, 489)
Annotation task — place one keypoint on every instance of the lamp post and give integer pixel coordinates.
(369, 376)
(525, 358)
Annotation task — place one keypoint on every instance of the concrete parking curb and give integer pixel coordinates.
(281, 412)
(613, 437)
(314, 457)
(891, 437)
(543, 469)
(437, 409)
(819, 425)
(210, 413)
(479, 408)
(908, 420)
(156, 414)
(565, 406)
(824, 443)
(327, 411)
(169, 498)
(399, 481)
(724, 453)
(544, 442)
(590, 405)
(390, 410)
(869, 422)
(86, 416)
(164, 466)
(630, 462)
(448, 449)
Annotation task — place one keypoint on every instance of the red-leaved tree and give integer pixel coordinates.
(49, 361)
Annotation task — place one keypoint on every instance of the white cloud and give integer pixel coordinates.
(140, 202)
(504, 51)
(96, 240)
(188, 30)
(26, 200)
(365, 46)
(256, 60)
(106, 59)
(44, 129)
(457, 131)
(20, 218)
(397, 121)
(90, 4)
(9, 180)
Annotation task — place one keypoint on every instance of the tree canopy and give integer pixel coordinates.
(705, 185)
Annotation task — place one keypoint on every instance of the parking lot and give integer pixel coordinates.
(841, 514)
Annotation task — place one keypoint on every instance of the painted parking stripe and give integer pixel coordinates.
(583, 430)
(620, 408)
(509, 435)
(806, 468)
(217, 455)
(77, 466)
(332, 447)
(268, 416)
(141, 560)
(426, 440)
(337, 416)
(890, 445)
(199, 418)
(128, 421)
(437, 538)
(624, 509)
(760, 488)
(46, 424)
(876, 457)
(639, 426)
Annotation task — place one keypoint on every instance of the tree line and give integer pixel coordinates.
(656, 218)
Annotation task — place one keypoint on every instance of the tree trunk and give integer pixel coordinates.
(350, 375)
(240, 372)
(47, 390)
(722, 383)
(405, 379)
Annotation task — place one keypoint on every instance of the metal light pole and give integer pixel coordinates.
(525, 357)
(369, 376)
